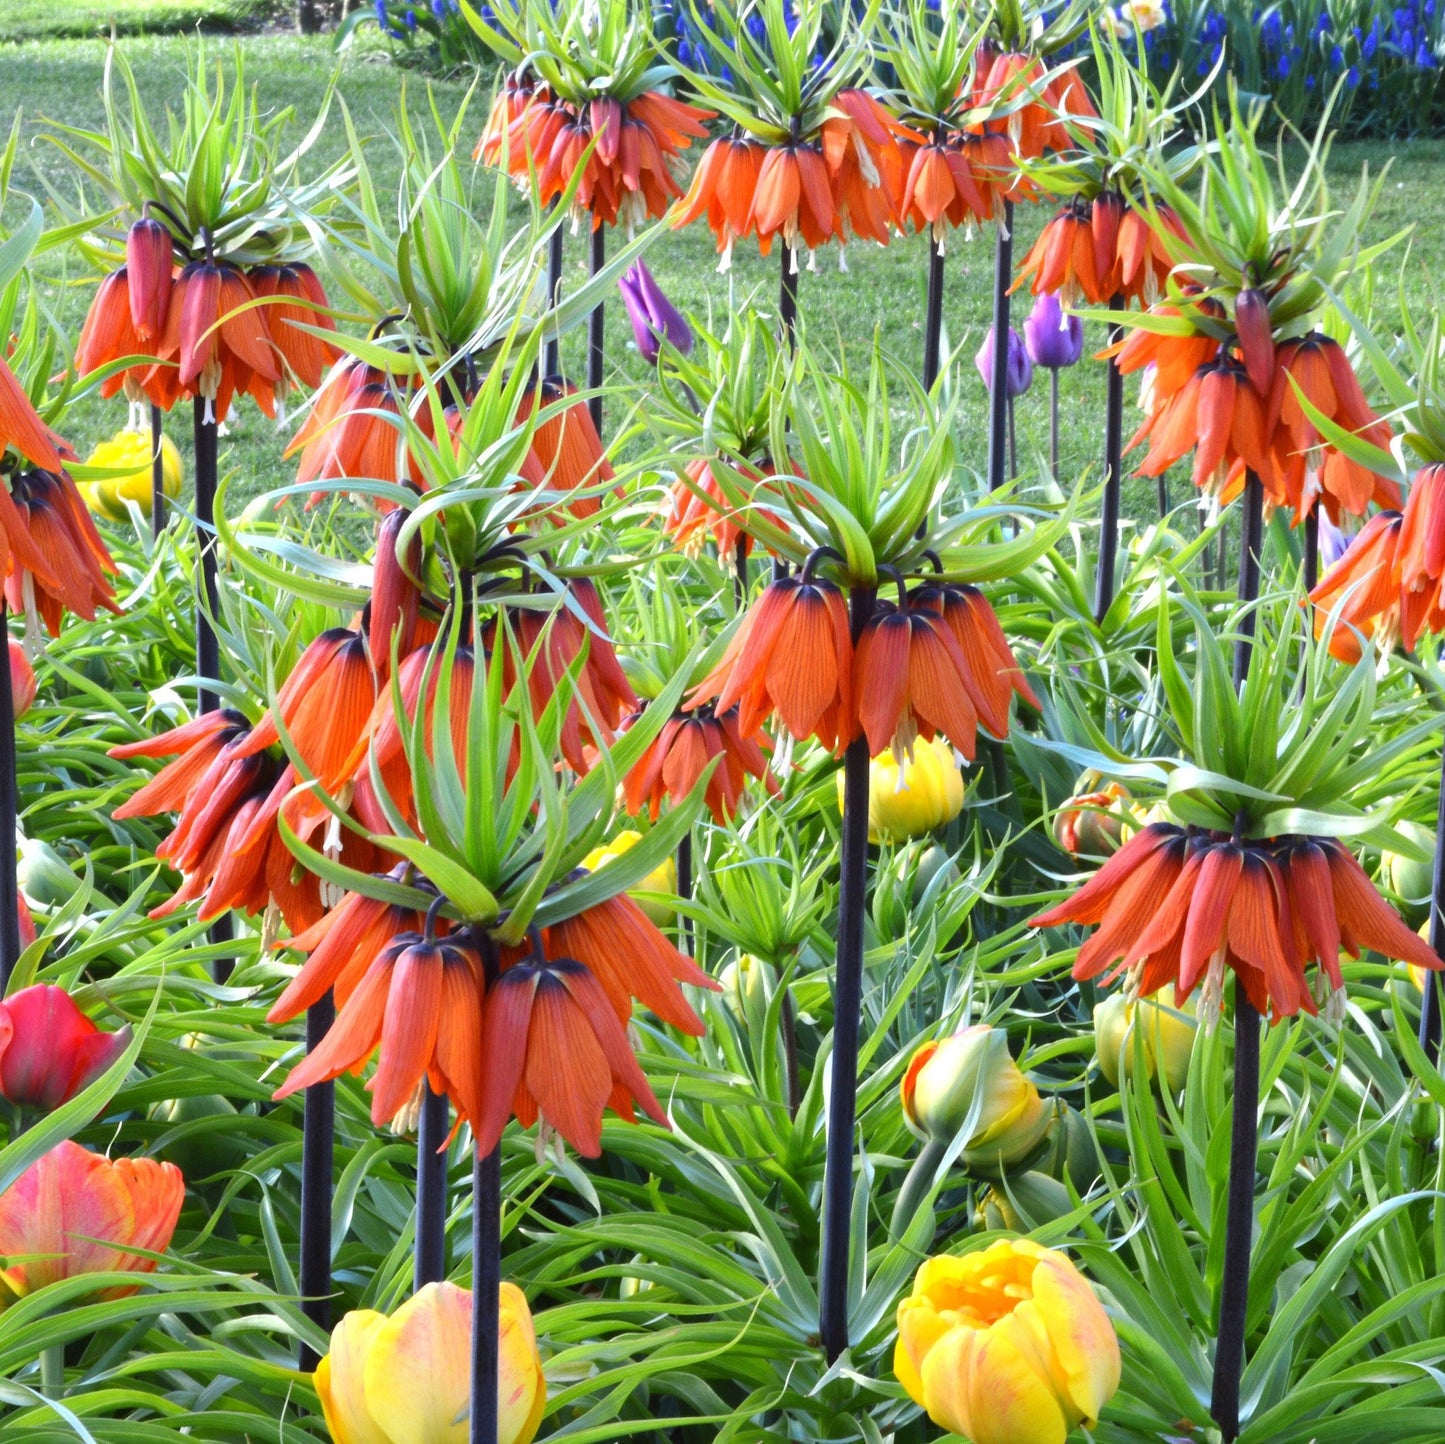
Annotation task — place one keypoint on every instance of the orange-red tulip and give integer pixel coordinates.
(75, 1212)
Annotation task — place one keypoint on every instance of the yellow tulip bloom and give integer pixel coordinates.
(913, 798)
(1008, 1345)
(663, 878)
(406, 1379)
(129, 453)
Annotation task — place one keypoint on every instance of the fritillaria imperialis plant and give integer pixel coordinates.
(1235, 343)
(1250, 875)
(1106, 246)
(811, 156)
(583, 119)
(1386, 587)
(210, 280)
(818, 650)
(1033, 107)
(52, 559)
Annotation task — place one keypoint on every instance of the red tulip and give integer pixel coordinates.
(49, 1049)
(75, 1212)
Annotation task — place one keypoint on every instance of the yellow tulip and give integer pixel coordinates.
(406, 1379)
(1008, 1345)
(129, 453)
(663, 878)
(1169, 1029)
(921, 795)
(970, 1081)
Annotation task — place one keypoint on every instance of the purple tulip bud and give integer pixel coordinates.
(1333, 542)
(654, 318)
(1020, 368)
(1054, 339)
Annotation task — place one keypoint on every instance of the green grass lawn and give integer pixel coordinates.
(882, 290)
(25, 20)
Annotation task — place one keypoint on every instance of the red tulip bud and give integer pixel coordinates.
(22, 680)
(148, 268)
(49, 1049)
(1256, 338)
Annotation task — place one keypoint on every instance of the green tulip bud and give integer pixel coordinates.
(1168, 1029)
(1071, 1154)
(1025, 1202)
(1409, 879)
(748, 985)
(971, 1081)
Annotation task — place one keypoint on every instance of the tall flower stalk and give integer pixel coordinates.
(1107, 245)
(1029, 110)
(956, 173)
(820, 651)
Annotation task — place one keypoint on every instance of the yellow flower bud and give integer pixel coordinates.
(971, 1081)
(1008, 1345)
(129, 452)
(921, 795)
(747, 985)
(1409, 878)
(1168, 1028)
(662, 878)
(407, 1379)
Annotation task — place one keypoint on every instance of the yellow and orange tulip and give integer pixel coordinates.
(1009, 1345)
(971, 1080)
(406, 1379)
(74, 1212)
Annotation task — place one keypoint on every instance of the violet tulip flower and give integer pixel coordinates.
(1333, 542)
(654, 318)
(1020, 367)
(1053, 338)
